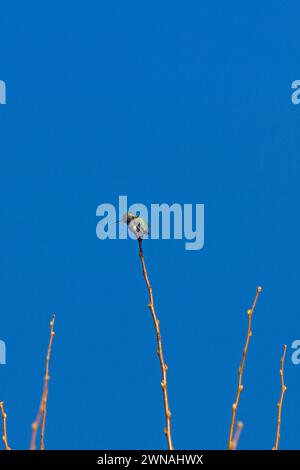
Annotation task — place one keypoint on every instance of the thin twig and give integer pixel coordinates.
(41, 416)
(279, 404)
(237, 434)
(4, 430)
(163, 365)
(241, 369)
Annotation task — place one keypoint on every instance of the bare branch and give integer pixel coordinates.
(279, 404)
(163, 365)
(42, 412)
(4, 430)
(241, 369)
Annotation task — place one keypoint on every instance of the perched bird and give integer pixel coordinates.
(136, 224)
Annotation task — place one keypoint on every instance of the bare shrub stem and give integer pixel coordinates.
(279, 404)
(163, 365)
(4, 430)
(241, 370)
(42, 412)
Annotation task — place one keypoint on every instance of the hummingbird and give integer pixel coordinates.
(136, 224)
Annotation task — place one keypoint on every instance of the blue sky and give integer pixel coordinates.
(184, 102)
